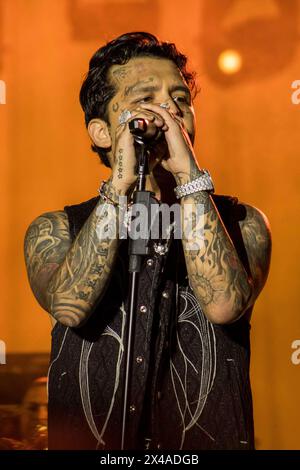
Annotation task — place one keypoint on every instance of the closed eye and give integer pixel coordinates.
(181, 99)
(145, 99)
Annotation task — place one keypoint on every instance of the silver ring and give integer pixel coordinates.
(124, 116)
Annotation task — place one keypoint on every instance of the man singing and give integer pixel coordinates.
(189, 384)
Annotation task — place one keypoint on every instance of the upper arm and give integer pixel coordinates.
(46, 244)
(256, 235)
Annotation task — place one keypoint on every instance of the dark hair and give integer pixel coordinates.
(97, 91)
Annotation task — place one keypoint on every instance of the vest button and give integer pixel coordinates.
(150, 262)
(139, 359)
(143, 309)
(165, 294)
(132, 408)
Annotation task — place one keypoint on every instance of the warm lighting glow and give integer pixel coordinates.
(230, 61)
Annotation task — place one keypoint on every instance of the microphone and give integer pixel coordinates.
(145, 131)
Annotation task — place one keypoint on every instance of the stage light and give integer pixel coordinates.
(230, 61)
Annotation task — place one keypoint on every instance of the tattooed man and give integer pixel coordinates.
(190, 378)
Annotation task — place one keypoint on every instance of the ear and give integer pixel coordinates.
(98, 132)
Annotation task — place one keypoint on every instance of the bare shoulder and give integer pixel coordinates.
(256, 233)
(47, 241)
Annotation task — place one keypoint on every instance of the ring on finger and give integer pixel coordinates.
(124, 116)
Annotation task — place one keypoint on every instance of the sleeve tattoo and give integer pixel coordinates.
(216, 274)
(68, 278)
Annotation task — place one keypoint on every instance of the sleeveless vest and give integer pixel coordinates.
(190, 385)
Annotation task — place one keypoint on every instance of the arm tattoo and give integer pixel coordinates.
(46, 242)
(120, 164)
(256, 235)
(82, 268)
(216, 274)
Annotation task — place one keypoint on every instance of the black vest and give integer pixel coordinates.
(190, 383)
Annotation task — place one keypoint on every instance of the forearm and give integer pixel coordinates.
(77, 285)
(216, 274)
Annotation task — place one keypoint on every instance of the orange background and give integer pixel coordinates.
(248, 136)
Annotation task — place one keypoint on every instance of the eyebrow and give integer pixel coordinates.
(138, 87)
(183, 88)
(135, 89)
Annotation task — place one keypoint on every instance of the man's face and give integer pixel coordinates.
(149, 80)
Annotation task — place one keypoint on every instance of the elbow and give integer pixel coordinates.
(74, 317)
(225, 313)
(68, 320)
(221, 315)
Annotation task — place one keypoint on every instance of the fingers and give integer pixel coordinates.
(168, 116)
(157, 120)
(150, 116)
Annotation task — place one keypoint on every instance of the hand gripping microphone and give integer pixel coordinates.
(144, 131)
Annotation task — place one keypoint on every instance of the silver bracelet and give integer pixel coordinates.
(203, 183)
(104, 196)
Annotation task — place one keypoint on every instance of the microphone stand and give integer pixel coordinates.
(138, 248)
